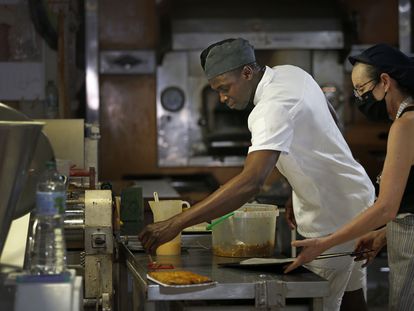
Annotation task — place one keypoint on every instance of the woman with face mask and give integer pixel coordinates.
(383, 79)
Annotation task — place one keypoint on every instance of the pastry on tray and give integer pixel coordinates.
(179, 277)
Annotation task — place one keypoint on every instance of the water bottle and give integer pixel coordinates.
(48, 249)
(51, 100)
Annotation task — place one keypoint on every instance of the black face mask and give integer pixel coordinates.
(374, 110)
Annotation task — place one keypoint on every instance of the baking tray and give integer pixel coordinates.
(199, 285)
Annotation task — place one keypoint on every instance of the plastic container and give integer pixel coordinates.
(47, 245)
(250, 232)
(163, 210)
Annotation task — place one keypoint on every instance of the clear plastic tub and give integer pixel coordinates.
(250, 232)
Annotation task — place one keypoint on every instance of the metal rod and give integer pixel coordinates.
(74, 226)
(404, 20)
(92, 48)
(74, 202)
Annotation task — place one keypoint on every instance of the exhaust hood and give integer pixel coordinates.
(281, 24)
(305, 33)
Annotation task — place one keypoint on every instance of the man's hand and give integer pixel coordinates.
(374, 240)
(289, 215)
(312, 248)
(158, 233)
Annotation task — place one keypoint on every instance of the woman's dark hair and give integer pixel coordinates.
(373, 73)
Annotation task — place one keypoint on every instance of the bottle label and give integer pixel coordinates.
(50, 203)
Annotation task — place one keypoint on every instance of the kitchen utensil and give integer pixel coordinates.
(249, 232)
(219, 220)
(157, 266)
(150, 259)
(43, 152)
(153, 265)
(180, 279)
(201, 285)
(181, 289)
(353, 254)
(255, 262)
(163, 210)
(18, 140)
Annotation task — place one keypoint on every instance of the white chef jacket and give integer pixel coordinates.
(291, 116)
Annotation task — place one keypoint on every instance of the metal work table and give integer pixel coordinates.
(267, 289)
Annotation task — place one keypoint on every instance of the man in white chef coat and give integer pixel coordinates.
(292, 128)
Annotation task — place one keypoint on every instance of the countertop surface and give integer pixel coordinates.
(232, 283)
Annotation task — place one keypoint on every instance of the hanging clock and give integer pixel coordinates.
(172, 99)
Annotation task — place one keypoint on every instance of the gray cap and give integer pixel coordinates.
(225, 56)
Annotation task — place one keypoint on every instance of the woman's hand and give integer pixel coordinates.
(312, 248)
(374, 240)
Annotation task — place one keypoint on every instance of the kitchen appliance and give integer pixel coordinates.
(42, 153)
(18, 140)
(250, 232)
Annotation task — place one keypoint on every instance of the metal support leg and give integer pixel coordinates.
(270, 294)
(317, 304)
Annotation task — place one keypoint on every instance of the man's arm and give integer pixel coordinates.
(227, 198)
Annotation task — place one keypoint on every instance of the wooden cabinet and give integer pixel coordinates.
(375, 20)
(128, 25)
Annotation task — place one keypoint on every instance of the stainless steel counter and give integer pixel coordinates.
(268, 289)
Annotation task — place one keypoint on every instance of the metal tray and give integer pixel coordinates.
(189, 286)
